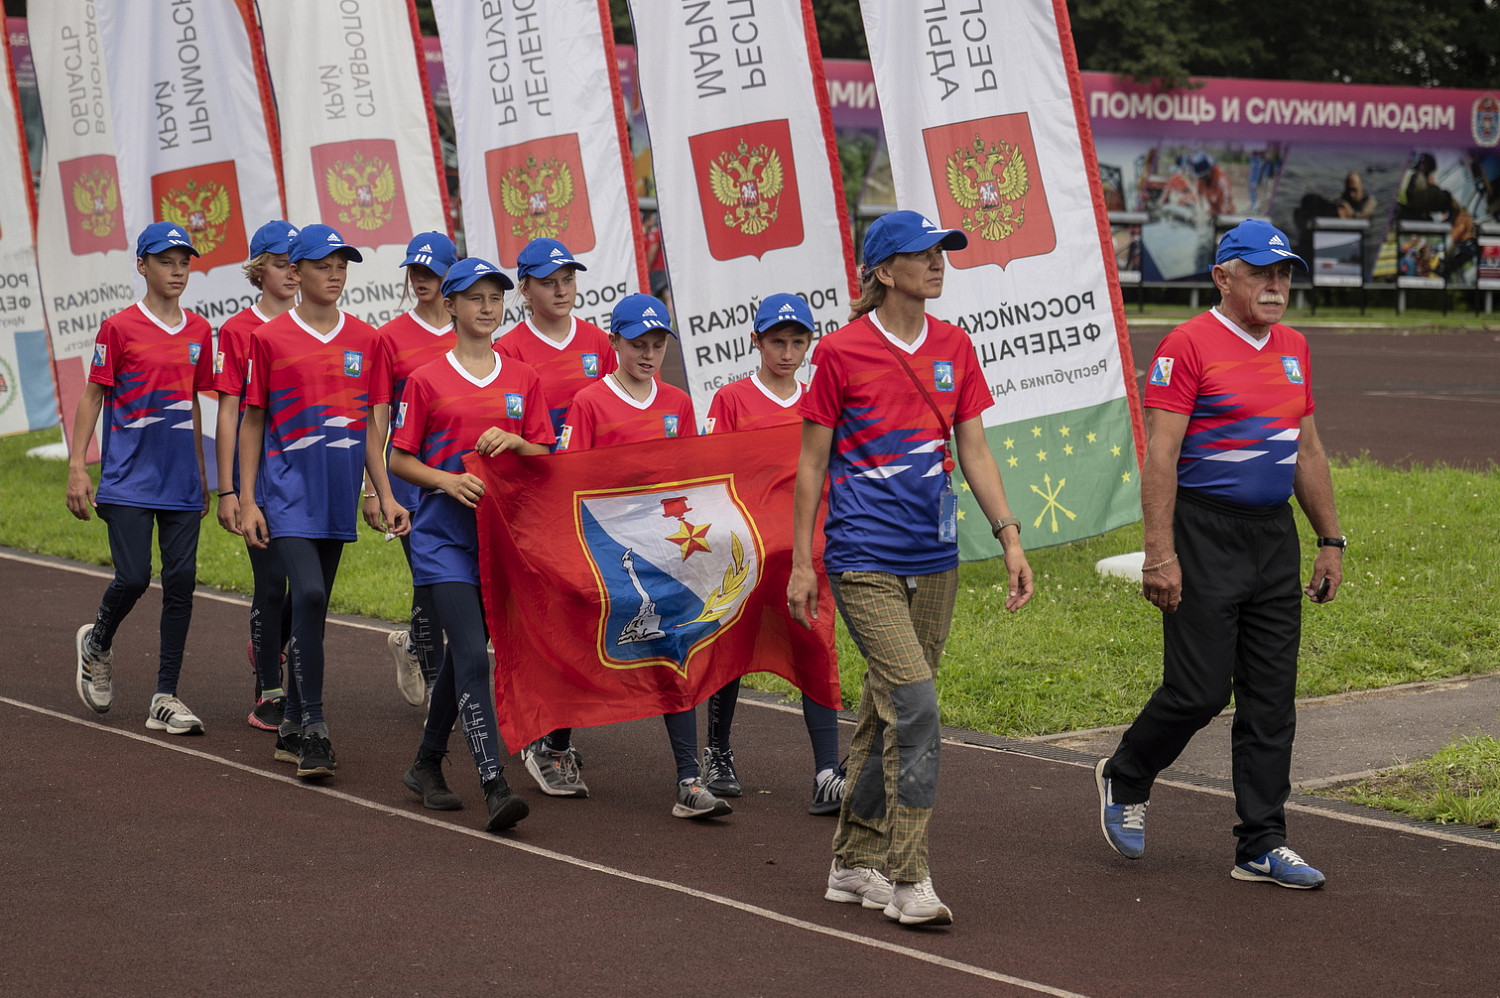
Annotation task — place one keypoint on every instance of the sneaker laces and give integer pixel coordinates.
(1288, 857)
(922, 892)
(171, 705)
(100, 663)
(567, 766)
(1134, 817)
(832, 785)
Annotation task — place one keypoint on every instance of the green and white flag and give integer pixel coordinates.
(984, 117)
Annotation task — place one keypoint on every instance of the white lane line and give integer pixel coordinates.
(1436, 397)
(558, 857)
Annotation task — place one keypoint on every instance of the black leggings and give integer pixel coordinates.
(464, 690)
(425, 630)
(270, 619)
(130, 549)
(311, 564)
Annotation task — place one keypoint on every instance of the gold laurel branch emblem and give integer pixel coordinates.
(990, 184)
(722, 599)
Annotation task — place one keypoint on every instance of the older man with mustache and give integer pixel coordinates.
(1229, 440)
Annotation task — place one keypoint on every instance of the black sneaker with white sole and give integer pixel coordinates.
(316, 761)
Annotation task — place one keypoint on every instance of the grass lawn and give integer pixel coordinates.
(1459, 784)
(1420, 600)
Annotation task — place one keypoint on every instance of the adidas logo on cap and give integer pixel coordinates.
(426, 248)
(557, 252)
(177, 234)
(480, 268)
(333, 237)
(1276, 241)
(787, 307)
(649, 311)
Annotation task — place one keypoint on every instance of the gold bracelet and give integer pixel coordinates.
(1160, 564)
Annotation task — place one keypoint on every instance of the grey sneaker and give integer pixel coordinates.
(693, 801)
(718, 773)
(916, 903)
(828, 794)
(408, 669)
(555, 772)
(857, 885)
(171, 715)
(95, 687)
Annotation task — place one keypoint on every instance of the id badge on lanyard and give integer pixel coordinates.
(948, 504)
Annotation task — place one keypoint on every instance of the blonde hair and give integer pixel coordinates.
(255, 268)
(871, 292)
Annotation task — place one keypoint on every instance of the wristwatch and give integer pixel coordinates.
(1339, 542)
(1002, 523)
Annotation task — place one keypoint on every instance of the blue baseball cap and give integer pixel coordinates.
(1257, 243)
(907, 232)
(462, 275)
(637, 314)
(779, 308)
(316, 241)
(158, 237)
(543, 256)
(273, 237)
(433, 250)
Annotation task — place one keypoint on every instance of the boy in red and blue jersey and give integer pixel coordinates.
(302, 460)
(150, 362)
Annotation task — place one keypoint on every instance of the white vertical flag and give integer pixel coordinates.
(542, 144)
(190, 137)
(28, 400)
(746, 171)
(983, 116)
(84, 252)
(358, 141)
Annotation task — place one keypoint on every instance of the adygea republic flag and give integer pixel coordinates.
(633, 581)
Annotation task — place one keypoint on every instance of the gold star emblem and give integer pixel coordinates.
(1115, 450)
(965, 487)
(691, 538)
(1036, 431)
(1068, 449)
(1092, 437)
(1041, 455)
(960, 514)
(1124, 476)
(1064, 430)
(1012, 461)
(1010, 443)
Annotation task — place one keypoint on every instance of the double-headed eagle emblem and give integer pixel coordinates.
(201, 209)
(748, 182)
(537, 196)
(96, 198)
(363, 187)
(990, 185)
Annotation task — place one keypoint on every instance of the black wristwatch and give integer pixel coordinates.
(1339, 542)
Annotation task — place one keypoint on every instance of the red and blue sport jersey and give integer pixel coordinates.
(315, 390)
(151, 373)
(603, 415)
(581, 359)
(747, 404)
(230, 362)
(1245, 400)
(885, 474)
(439, 419)
(406, 344)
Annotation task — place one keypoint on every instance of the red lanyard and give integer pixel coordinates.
(926, 395)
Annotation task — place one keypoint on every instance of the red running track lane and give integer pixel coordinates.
(138, 862)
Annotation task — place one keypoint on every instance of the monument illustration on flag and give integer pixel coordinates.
(996, 144)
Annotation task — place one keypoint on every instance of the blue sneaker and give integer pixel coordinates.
(1124, 824)
(1282, 867)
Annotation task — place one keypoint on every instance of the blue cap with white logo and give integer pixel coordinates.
(462, 275)
(316, 241)
(158, 237)
(433, 250)
(1257, 243)
(779, 308)
(637, 314)
(543, 256)
(273, 237)
(907, 232)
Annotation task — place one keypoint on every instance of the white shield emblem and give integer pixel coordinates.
(674, 563)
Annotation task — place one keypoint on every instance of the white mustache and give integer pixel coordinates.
(1271, 299)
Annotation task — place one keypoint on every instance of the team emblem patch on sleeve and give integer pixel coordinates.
(99, 354)
(1161, 372)
(513, 407)
(942, 375)
(401, 415)
(1293, 368)
(709, 424)
(591, 365)
(354, 363)
(218, 361)
(567, 435)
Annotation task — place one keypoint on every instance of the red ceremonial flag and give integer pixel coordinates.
(634, 581)
(988, 183)
(360, 192)
(747, 184)
(537, 189)
(204, 200)
(91, 202)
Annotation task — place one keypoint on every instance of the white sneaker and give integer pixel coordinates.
(171, 715)
(857, 885)
(916, 903)
(95, 687)
(408, 669)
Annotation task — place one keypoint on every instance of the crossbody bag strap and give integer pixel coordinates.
(926, 395)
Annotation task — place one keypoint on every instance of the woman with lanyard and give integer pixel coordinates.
(886, 390)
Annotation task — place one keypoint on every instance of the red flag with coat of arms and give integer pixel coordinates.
(205, 201)
(747, 186)
(634, 581)
(537, 189)
(91, 204)
(360, 192)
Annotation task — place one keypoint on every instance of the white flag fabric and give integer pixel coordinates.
(84, 252)
(358, 140)
(747, 177)
(28, 400)
(191, 140)
(542, 144)
(983, 116)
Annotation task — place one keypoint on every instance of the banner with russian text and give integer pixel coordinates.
(358, 141)
(191, 141)
(28, 396)
(542, 146)
(747, 175)
(85, 254)
(984, 118)
(637, 580)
